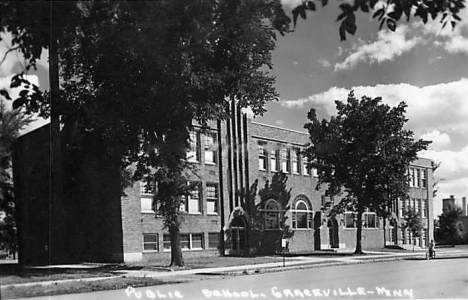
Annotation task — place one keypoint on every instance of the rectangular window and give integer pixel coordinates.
(191, 203)
(305, 167)
(196, 241)
(424, 208)
(150, 242)
(418, 177)
(401, 205)
(184, 241)
(147, 204)
(210, 148)
(192, 153)
(145, 189)
(295, 161)
(166, 242)
(262, 157)
(424, 237)
(273, 161)
(417, 205)
(424, 178)
(285, 162)
(187, 241)
(370, 220)
(213, 240)
(349, 220)
(212, 198)
(413, 177)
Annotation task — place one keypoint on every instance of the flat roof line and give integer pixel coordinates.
(277, 127)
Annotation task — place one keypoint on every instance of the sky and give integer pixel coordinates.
(423, 65)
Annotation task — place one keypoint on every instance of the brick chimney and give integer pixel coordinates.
(464, 206)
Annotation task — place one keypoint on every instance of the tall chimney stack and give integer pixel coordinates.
(464, 206)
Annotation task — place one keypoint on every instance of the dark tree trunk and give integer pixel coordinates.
(359, 230)
(56, 175)
(176, 251)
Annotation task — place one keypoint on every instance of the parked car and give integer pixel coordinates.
(3, 254)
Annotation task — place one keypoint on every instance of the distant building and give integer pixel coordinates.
(252, 189)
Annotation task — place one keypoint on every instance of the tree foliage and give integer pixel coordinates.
(11, 122)
(363, 151)
(387, 13)
(134, 75)
(412, 222)
(450, 228)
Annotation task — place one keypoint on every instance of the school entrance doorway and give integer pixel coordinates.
(333, 233)
(238, 236)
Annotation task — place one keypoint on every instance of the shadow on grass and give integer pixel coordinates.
(59, 272)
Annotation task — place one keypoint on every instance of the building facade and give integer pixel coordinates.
(251, 189)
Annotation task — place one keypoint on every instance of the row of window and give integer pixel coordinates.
(210, 147)
(191, 203)
(417, 177)
(419, 205)
(188, 241)
(369, 220)
(285, 160)
(408, 238)
(302, 215)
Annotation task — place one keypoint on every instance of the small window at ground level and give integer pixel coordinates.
(150, 242)
(213, 240)
(187, 241)
(197, 241)
(167, 242)
(184, 241)
(349, 220)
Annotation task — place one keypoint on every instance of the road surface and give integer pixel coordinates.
(410, 279)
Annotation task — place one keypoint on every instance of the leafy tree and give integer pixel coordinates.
(412, 221)
(363, 151)
(450, 228)
(133, 76)
(435, 187)
(388, 13)
(11, 122)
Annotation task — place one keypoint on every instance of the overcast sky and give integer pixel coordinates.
(422, 65)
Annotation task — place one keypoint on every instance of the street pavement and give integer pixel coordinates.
(403, 279)
(290, 264)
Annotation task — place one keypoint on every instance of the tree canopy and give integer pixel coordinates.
(363, 152)
(387, 13)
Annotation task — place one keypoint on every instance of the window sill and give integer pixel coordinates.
(210, 163)
(150, 251)
(212, 214)
(303, 229)
(148, 212)
(263, 170)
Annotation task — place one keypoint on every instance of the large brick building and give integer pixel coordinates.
(252, 188)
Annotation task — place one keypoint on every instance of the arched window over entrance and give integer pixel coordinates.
(272, 215)
(302, 213)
